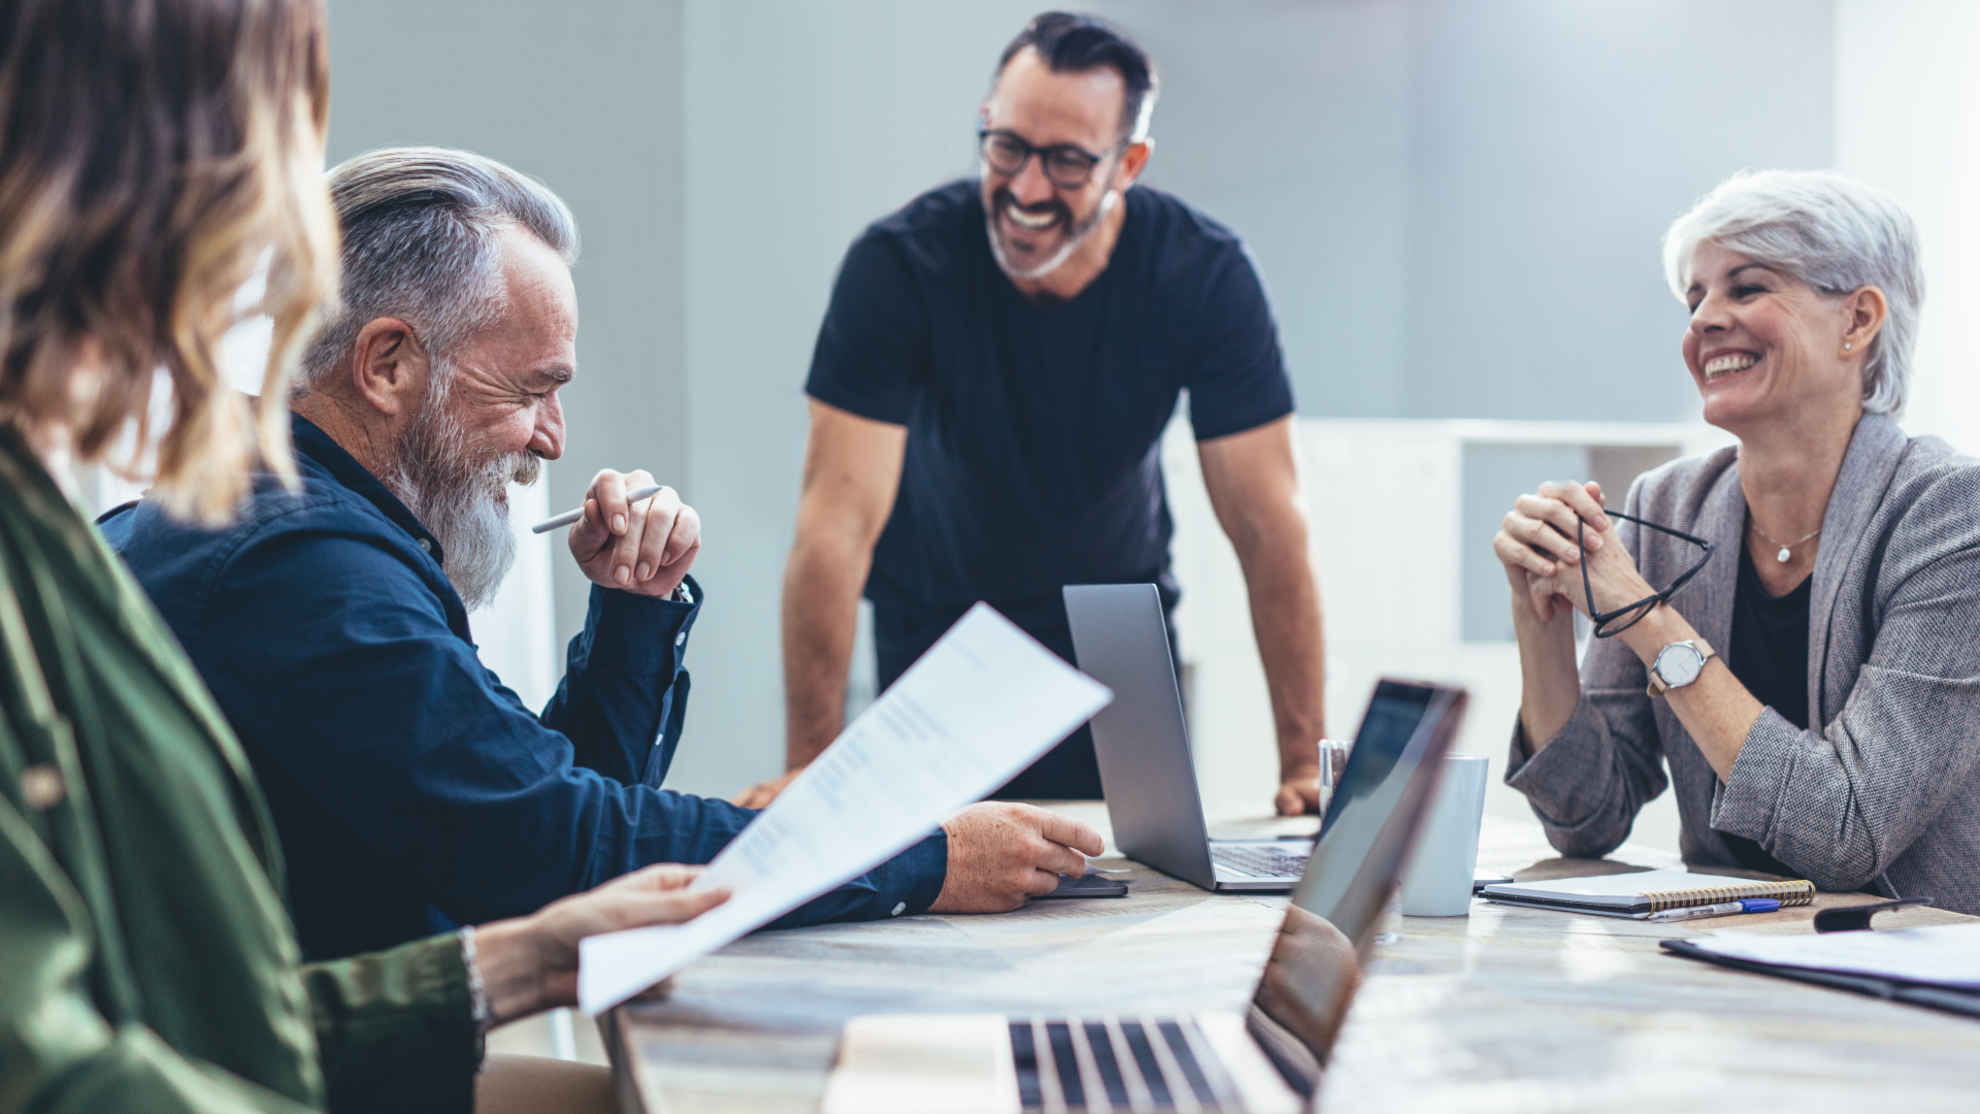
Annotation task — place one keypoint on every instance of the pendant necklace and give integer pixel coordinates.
(1784, 556)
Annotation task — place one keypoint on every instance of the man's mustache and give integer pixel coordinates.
(529, 467)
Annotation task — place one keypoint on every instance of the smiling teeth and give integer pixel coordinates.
(1726, 365)
(1030, 220)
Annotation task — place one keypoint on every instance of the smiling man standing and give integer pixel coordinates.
(988, 395)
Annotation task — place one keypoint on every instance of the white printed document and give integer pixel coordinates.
(1940, 955)
(978, 707)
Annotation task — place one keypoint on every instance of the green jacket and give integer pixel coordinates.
(146, 960)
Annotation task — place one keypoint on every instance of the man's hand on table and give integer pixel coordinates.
(1299, 784)
(644, 546)
(763, 792)
(1299, 792)
(1001, 853)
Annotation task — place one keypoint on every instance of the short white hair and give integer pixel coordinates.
(1831, 232)
(422, 231)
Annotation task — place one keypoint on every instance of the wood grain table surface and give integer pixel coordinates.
(1506, 1009)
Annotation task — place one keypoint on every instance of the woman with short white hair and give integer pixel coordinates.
(1798, 634)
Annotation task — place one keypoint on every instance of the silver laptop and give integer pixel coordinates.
(1121, 639)
(1270, 1058)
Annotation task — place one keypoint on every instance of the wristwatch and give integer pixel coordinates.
(1679, 664)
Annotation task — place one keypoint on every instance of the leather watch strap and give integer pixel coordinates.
(1705, 654)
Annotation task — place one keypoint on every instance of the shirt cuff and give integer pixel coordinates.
(1582, 739)
(1566, 782)
(907, 884)
(1522, 750)
(396, 1029)
(478, 995)
(639, 634)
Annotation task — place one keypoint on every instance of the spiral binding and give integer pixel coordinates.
(1797, 892)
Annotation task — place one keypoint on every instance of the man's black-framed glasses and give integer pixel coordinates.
(1068, 166)
(1628, 616)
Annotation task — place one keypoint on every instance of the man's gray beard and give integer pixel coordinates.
(462, 502)
(1074, 239)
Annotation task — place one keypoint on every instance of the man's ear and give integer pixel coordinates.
(389, 366)
(1133, 161)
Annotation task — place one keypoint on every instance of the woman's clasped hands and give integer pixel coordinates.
(1540, 542)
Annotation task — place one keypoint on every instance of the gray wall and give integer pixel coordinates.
(1552, 141)
(1456, 205)
(1290, 122)
(585, 95)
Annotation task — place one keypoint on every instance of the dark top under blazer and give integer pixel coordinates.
(410, 787)
(1884, 786)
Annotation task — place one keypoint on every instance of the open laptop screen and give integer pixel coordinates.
(1269, 1061)
(1364, 841)
(1394, 734)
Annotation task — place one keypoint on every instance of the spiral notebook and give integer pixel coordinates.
(1638, 895)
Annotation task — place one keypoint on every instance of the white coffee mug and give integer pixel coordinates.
(1437, 882)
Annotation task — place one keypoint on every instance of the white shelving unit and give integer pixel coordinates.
(1388, 503)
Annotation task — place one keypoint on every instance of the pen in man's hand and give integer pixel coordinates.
(1722, 909)
(568, 517)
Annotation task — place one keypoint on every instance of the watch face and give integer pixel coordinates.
(1679, 664)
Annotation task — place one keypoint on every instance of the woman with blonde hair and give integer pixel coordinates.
(1794, 633)
(152, 154)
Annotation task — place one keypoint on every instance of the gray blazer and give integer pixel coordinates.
(1886, 785)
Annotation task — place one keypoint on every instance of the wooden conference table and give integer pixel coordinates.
(1507, 1009)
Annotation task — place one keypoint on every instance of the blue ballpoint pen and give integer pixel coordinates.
(1723, 909)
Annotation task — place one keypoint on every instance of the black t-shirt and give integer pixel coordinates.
(1769, 655)
(1034, 427)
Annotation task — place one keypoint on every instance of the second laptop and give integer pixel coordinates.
(1121, 638)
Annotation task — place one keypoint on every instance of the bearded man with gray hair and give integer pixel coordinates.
(413, 792)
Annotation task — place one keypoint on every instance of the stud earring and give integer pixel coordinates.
(1847, 347)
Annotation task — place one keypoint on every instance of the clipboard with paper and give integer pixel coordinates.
(1937, 966)
(978, 707)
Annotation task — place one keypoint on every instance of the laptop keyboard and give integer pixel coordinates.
(1107, 1063)
(1260, 862)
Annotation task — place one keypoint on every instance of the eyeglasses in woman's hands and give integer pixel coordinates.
(1631, 614)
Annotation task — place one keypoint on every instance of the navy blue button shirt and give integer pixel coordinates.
(411, 788)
